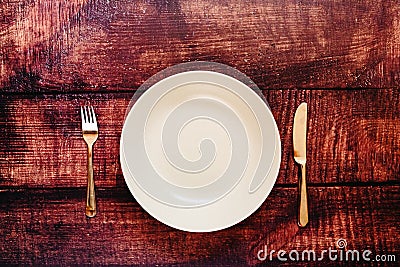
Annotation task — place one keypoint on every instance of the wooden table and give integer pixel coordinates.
(341, 57)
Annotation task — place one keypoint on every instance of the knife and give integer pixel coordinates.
(299, 146)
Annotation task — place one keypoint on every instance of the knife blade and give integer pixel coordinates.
(300, 156)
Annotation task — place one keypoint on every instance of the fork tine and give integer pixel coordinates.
(88, 115)
(82, 116)
(85, 114)
(93, 116)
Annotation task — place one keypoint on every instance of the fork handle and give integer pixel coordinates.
(90, 196)
(303, 205)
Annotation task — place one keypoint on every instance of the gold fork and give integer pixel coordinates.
(90, 133)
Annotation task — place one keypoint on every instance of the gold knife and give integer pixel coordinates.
(300, 152)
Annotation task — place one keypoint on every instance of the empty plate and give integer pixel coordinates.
(200, 150)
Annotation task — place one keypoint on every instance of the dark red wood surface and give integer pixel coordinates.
(97, 45)
(341, 57)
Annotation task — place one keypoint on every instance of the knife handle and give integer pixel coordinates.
(303, 206)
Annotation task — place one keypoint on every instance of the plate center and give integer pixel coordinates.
(192, 141)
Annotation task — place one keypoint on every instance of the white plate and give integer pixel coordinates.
(200, 151)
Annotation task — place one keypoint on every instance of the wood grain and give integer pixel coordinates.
(353, 136)
(97, 45)
(49, 227)
(57, 55)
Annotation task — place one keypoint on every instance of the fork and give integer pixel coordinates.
(90, 133)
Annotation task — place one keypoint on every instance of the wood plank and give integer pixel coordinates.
(354, 136)
(49, 227)
(93, 45)
(349, 134)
